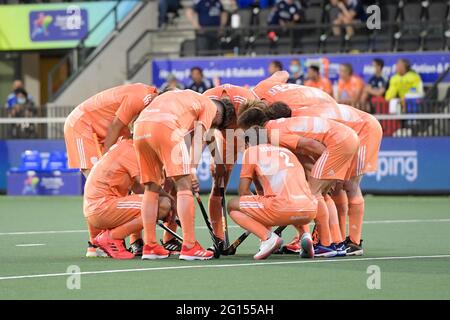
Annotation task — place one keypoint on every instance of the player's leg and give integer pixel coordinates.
(246, 212)
(340, 199)
(220, 176)
(336, 236)
(355, 215)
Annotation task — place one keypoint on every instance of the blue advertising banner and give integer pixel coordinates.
(405, 165)
(56, 183)
(57, 25)
(251, 70)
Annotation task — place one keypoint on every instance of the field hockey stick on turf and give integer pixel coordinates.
(215, 239)
(231, 250)
(224, 214)
(170, 231)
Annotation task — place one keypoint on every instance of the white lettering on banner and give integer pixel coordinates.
(397, 163)
(234, 72)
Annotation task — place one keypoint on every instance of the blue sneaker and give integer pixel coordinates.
(341, 249)
(321, 251)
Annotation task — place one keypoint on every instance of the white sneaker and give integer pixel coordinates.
(95, 252)
(268, 246)
(307, 245)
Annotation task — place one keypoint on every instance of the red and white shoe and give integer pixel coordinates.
(195, 253)
(293, 247)
(268, 246)
(154, 252)
(113, 248)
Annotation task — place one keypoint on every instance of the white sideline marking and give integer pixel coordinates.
(30, 244)
(231, 226)
(224, 266)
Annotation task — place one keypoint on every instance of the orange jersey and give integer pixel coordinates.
(350, 89)
(351, 117)
(293, 95)
(112, 176)
(287, 131)
(180, 109)
(125, 102)
(279, 172)
(238, 95)
(323, 84)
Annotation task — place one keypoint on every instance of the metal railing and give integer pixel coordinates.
(80, 56)
(306, 38)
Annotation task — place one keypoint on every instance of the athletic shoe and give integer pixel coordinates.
(353, 249)
(268, 246)
(195, 253)
(94, 251)
(113, 248)
(291, 248)
(136, 247)
(173, 245)
(154, 252)
(341, 249)
(321, 251)
(307, 245)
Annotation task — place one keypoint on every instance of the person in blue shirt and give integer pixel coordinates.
(350, 12)
(207, 16)
(377, 84)
(198, 82)
(12, 98)
(286, 13)
(296, 75)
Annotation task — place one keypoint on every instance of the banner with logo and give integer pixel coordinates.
(405, 165)
(57, 25)
(250, 70)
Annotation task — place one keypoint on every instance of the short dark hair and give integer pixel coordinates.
(197, 69)
(20, 91)
(379, 62)
(278, 110)
(315, 68)
(229, 113)
(277, 64)
(252, 117)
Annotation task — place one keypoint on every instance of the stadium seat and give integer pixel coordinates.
(438, 11)
(188, 48)
(56, 161)
(413, 12)
(31, 160)
(314, 14)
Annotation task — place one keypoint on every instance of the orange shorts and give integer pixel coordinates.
(276, 211)
(115, 212)
(159, 146)
(335, 162)
(82, 150)
(366, 158)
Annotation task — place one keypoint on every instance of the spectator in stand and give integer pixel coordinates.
(207, 14)
(198, 82)
(350, 86)
(348, 12)
(376, 87)
(166, 6)
(286, 13)
(404, 81)
(275, 66)
(296, 72)
(11, 99)
(22, 108)
(314, 79)
(171, 83)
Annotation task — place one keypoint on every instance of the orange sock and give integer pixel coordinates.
(149, 213)
(93, 232)
(250, 224)
(215, 214)
(341, 203)
(172, 226)
(186, 212)
(323, 222)
(355, 218)
(123, 231)
(336, 236)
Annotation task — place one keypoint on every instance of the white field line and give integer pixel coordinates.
(30, 244)
(17, 233)
(236, 265)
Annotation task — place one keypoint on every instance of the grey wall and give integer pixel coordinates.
(108, 69)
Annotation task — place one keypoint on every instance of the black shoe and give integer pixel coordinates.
(353, 249)
(136, 247)
(173, 245)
